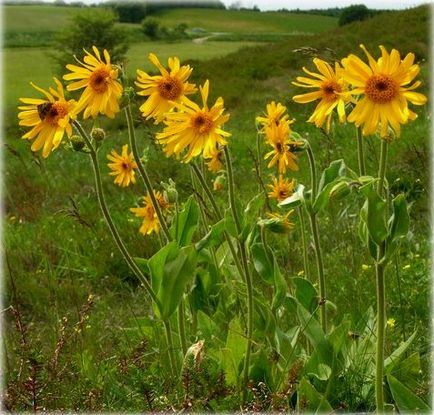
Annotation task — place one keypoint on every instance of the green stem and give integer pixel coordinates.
(181, 327)
(258, 151)
(320, 268)
(360, 152)
(316, 240)
(248, 277)
(304, 242)
(382, 168)
(312, 165)
(109, 221)
(219, 216)
(170, 348)
(144, 174)
(381, 294)
(381, 323)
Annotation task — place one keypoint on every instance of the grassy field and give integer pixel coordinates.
(58, 251)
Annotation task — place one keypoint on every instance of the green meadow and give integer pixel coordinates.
(80, 333)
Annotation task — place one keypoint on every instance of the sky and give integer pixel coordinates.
(310, 4)
(324, 4)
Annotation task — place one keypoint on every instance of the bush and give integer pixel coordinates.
(89, 28)
(151, 28)
(354, 13)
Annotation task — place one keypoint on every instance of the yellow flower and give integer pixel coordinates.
(391, 323)
(50, 118)
(385, 87)
(215, 163)
(281, 188)
(150, 219)
(122, 167)
(278, 223)
(99, 78)
(332, 92)
(165, 89)
(274, 115)
(195, 129)
(278, 137)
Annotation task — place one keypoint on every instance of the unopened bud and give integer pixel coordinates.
(340, 190)
(77, 142)
(170, 191)
(219, 183)
(98, 134)
(277, 223)
(127, 96)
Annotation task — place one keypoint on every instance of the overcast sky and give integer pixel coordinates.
(324, 4)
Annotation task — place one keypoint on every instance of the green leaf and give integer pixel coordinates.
(178, 272)
(157, 261)
(398, 224)
(233, 352)
(213, 237)
(375, 211)
(405, 399)
(188, 220)
(309, 400)
(254, 204)
(142, 264)
(305, 293)
(262, 263)
(322, 372)
(295, 199)
(333, 171)
(313, 331)
(280, 285)
(397, 354)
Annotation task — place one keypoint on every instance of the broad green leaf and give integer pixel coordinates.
(262, 263)
(178, 271)
(334, 170)
(233, 352)
(206, 326)
(254, 204)
(375, 211)
(142, 264)
(322, 372)
(295, 199)
(309, 400)
(280, 286)
(230, 225)
(213, 237)
(305, 293)
(264, 320)
(183, 228)
(405, 400)
(398, 353)
(157, 261)
(335, 190)
(398, 225)
(260, 368)
(407, 371)
(313, 331)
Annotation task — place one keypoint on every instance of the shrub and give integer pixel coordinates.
(353, 13)
(87, 29)
(151, 28)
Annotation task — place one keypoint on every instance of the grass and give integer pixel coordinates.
(247, 21)
(58, 250)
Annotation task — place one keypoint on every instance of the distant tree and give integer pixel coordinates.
(151, 28)
(89, 28)
(354, 13)
(129, 11)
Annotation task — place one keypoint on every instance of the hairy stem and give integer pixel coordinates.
(109, 221)
(360, 152)
(144, 174)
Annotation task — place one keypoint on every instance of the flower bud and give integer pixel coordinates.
(77, 142)
(340, 190)
(98, 134)
(277, 223)
(170, 191)
(219, 183)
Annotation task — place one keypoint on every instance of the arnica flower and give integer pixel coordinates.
(332, 92)
(196, 130)
(277, 222)
(150, 219)
(165, 89)
(100, 80)
(122, 167)
(274, 115)
(214, 161)
(281, 188)
(278, 136)
(50, 118)
(384, 86)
